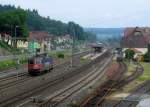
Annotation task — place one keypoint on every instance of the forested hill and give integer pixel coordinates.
(30, 20)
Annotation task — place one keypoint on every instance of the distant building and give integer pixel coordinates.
(40, 41)
(65, 38)
(137, 38)
(22, 44)
(63, 42)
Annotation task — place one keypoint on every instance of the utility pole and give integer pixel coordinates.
(16, 36)
(15, 54)
(72, 51)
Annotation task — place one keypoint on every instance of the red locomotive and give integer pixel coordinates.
(39, 64)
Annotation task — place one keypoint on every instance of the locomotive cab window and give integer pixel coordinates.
(30, 61)
(38, 61)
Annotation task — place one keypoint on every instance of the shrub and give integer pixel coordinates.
(148, 47)
(147, 57)
(11, 63)
(129, 54)
(7, 64)
(60, 55)
(23, 61)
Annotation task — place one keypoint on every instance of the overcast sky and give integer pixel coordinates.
(91, 13)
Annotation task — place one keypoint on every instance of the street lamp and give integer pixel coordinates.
(15, 54)
(16, 42)
(72, 51)
(71, 63)
(16, 35)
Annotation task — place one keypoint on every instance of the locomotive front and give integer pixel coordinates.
(39, 64)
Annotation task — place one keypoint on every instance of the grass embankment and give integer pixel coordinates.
(7, 64)
(139, 80)
(66, 53)
(146, 74)
(130, 87)
(130, 67)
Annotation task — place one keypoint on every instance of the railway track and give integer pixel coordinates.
(22, 77)
(59, 97)
(27, 94)
(129, 102)
(138, 71)
(113, 83)
(12, 77)
(18, 80)
(104, 90)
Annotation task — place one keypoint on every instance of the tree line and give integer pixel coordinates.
(19, 21)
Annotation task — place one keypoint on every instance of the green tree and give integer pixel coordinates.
(129, 54)
(71, 29)
(147, 57)
(10, 19)
(76, 31)
(148, 47)
(147, 54)
(13, 22)
(27, 19)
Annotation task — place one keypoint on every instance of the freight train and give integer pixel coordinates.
(40, 63)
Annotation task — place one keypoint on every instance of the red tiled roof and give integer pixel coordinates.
(130, 39)
(39, 36)
(135, 50)
(128, 32)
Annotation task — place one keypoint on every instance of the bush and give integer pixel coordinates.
(129, 54)
(147, 57)
(23, 61)
(7, 64)
(60, 55)
(148, 47)
(11, 63)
